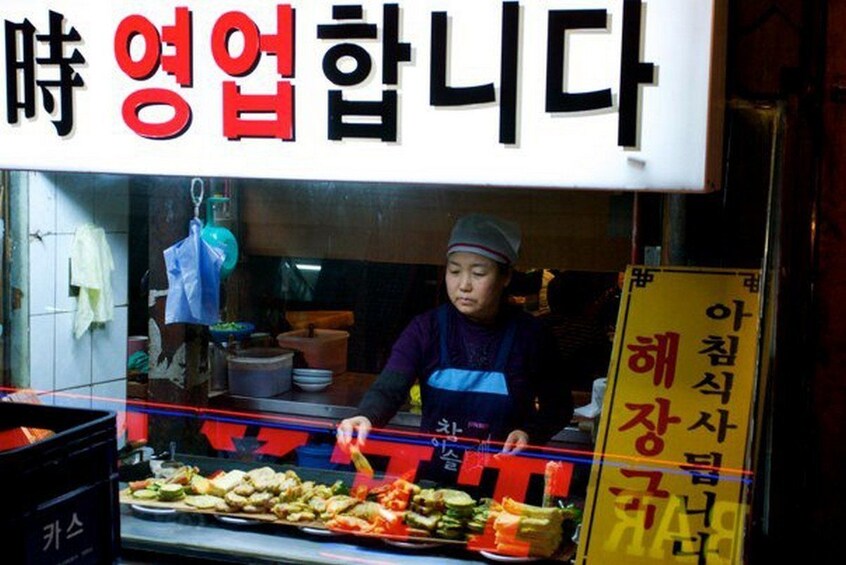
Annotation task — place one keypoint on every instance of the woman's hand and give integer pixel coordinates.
(515, 442)
(358, 425)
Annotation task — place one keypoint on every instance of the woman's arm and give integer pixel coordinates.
(390, 390)
(387, 394)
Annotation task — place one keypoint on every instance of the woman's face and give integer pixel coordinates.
(475, 285)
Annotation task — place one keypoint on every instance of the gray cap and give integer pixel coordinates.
(486, 235)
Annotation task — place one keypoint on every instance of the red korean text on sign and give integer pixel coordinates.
(638, 500)
(650, 443)
(178, 64)
(658, 355)
(279, 103)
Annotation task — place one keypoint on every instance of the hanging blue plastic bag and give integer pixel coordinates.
(193, 276)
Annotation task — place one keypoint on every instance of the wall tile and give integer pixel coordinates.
(48, 398)
(42, 283)
(111, 202)
(108, 341)
(42, 203)
(111, 396)
(118, 245)
(42, 340)
(65, 302)
(77, 397)
(74, 201)
(73, 356)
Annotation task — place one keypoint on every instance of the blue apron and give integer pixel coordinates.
(464, 403)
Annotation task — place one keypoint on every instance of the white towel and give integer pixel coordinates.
(91, 271)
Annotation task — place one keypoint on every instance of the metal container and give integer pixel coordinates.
(260, 372)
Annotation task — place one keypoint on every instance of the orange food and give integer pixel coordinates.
(138, 485)
(350, 524)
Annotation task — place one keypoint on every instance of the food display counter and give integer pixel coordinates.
(207, 538)
(329, 516)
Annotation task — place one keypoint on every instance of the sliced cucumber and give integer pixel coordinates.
(145, 494)
(171, 492)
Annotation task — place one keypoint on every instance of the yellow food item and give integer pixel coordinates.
(235, 501)
(226, 482)
(513, 507)
(203, 501)
(200, 485)
(523, 529)
(360, 462)
(244, 489)
(414, 395)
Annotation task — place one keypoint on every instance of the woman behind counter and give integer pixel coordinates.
(487, 370)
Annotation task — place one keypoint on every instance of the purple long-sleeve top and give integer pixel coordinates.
(535, 375)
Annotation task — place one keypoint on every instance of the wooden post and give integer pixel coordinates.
(179, 363)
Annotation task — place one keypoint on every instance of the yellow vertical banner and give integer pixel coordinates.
(671, 476)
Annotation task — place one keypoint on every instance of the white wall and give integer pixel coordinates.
(89, 372)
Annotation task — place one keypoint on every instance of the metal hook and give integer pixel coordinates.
(197, 199)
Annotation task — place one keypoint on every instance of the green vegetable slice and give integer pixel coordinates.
(145, 494)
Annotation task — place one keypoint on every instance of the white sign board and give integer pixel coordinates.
(602, 94)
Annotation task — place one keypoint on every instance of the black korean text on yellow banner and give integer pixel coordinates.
(670, 474)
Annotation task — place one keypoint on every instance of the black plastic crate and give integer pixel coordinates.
(60, 495)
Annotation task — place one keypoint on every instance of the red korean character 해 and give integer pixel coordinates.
(656, 354)
(651, 443)
(633, 499)
(178, 64)
(279, 103)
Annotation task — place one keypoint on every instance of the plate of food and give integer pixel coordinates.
(503, 558)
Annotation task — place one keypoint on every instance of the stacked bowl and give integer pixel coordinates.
(312, 380)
